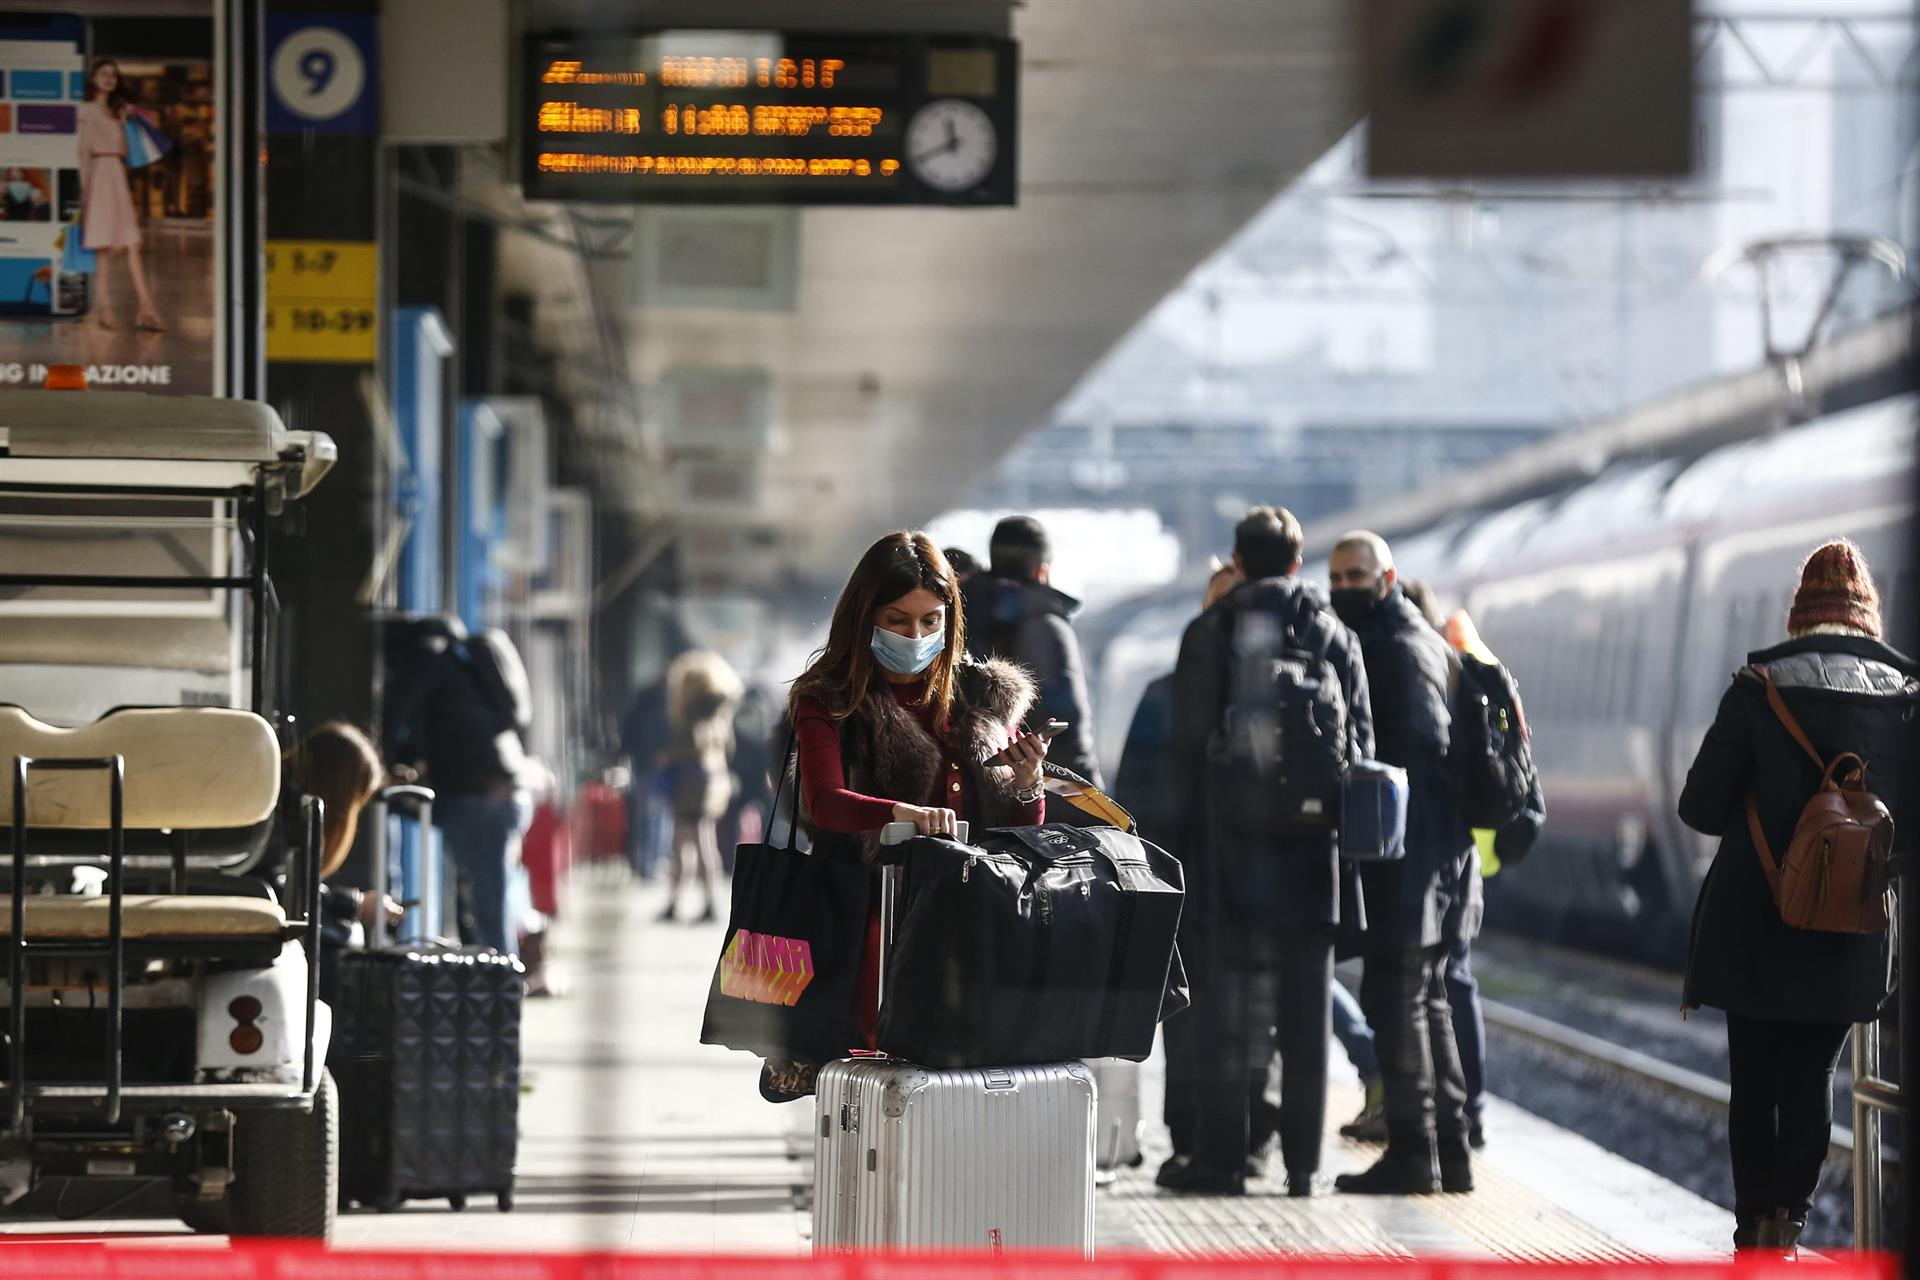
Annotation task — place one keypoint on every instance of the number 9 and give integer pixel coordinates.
(318, 67)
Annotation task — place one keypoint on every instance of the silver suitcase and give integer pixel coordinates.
(1117, 1144)
(910, 1158)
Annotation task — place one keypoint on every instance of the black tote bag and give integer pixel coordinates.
(785, 983)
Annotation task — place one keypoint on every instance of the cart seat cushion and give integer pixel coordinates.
(187, 769)
(147, 916)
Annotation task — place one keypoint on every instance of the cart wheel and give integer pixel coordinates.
(287, 1169)
(459, 1202)
(505, 1201)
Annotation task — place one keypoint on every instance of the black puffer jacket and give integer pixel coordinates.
(1252, 878)
(1849, 694)
(1028, 623)
(1410, 672)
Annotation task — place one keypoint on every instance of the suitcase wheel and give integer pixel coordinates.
(458, 1201)
(505, 1201)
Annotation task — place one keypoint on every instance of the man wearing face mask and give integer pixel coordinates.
(1410, 673)
(1264, 895)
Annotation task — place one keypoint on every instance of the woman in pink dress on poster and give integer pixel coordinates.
(109, 225)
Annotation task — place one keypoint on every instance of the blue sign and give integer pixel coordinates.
(321, 73)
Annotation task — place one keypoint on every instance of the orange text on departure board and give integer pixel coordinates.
(736, 120)
(717, 166)
(701, 71)
(569, 71)
(572, 117)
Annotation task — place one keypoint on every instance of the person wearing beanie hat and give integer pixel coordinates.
(1791, 995)
(1836, 595)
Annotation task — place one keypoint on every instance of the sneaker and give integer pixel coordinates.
(1371, 1124)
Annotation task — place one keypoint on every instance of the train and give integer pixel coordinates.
(1623, 606)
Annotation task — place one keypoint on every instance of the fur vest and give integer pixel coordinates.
(886, 752)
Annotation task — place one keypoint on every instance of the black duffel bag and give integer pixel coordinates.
(1039, 944)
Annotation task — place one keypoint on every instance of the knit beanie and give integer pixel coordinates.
(1836, 590)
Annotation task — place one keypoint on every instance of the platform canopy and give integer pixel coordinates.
(903, 351)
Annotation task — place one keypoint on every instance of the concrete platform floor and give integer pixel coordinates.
(635, 1136)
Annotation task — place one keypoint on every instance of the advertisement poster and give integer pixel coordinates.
(109, 225)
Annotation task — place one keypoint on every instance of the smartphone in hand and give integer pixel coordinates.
(1051, 730)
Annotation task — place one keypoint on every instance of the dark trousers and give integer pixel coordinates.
(1180, 1035)
(1277, 998)
(1780, 1119)
(1469, 1025)
(1404, 993)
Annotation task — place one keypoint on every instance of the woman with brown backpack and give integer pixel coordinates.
(1801, 777)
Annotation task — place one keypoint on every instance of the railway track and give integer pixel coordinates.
(1642, 1068)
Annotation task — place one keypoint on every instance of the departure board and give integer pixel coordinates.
(758, 117)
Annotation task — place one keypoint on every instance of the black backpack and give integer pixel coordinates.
(1287, 723)
(502, 676)
(1490, 754)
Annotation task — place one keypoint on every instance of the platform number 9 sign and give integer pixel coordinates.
(318, 73)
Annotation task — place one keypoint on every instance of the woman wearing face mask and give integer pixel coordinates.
(896, 724)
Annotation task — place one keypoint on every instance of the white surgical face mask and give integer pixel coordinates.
(904, 655)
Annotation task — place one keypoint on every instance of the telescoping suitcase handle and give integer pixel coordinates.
(892, 879)
(421, 800)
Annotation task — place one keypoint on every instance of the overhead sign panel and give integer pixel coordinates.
(1528, 88)
(762, 117)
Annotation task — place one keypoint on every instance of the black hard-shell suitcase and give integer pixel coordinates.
(426, 1056)
(426, 1053)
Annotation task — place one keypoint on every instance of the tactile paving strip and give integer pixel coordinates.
(1503, 1218)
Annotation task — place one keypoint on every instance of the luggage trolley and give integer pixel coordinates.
(163, 1020)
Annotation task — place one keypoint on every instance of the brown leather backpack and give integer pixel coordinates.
(1837, 872)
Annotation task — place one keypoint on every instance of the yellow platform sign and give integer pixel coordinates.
(322, 301)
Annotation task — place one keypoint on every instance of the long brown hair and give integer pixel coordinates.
(842, 671)
(339, 764)
(118, 99)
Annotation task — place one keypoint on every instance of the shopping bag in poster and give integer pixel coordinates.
(75, 258)
(145, 142)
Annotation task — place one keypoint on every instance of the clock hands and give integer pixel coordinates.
(954, 143)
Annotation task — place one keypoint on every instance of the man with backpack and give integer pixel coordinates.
(458, 717)
(1415, 902)
(1270, 709)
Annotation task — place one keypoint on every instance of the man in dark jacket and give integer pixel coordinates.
(1269, 899)
(1013, 614)
(1791, 994)
(449, 723)
(1413, 904)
